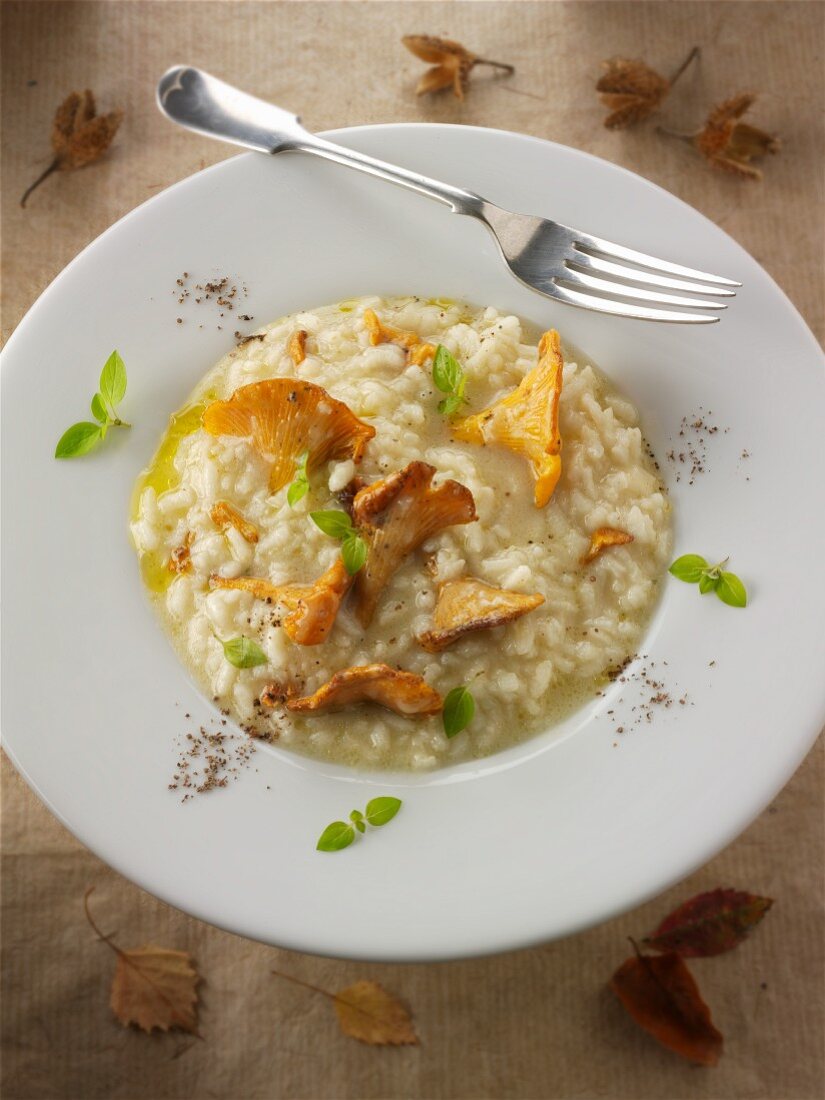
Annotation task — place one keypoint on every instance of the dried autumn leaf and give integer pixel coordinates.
(660, 994)
(526, 420)
(710, 923)
(633, 91)
(368, 1013)
(601, 539)
(405, 693)
(467, 605)
(313, 607)
(452, 63)
(730, 145)
(80, 136)
(153, 987)
(283, 418)
(394, 516)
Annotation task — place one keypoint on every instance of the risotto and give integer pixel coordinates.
(525, 574)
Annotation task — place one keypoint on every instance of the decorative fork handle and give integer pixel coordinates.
(202, 103)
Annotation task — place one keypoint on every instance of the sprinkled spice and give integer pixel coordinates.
(222, 292)
(207, 760)
(690, 455)
(650, 692)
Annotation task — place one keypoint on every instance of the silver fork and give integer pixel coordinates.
(551, 258)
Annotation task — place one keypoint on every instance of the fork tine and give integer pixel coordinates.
(626, 309)
(585, 262)
(583, 241)
(622, 290)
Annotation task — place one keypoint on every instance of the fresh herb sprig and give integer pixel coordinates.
(85, 435)
(243, 653)
(338, 525)
(693, 569)
(449, 377)
(459, 708)
(299, 487)
(340, 834)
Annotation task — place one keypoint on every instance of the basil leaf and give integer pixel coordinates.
(382, 810)
(300, 483)
(334, 523)
(336, 836)
(353, 553)
(243, 653)
(448, 406)
(689, 568)
(447, 371)
(731, 591)
(99, 409)
(78, 440)
(113, 379)
(357, 818)
(707, 583)
(459, 708)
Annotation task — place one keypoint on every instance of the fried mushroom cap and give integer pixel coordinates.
(283, 418)
(603, 538)
(406, 693)
(394, 516)
(526, 421)
(312, 607)
(467, 605)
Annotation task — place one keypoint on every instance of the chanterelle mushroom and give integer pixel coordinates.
(404, 692)
(395, 516)
(283, 418)
(603, 538)
(467, 605)
(312, 607)
(526, 421)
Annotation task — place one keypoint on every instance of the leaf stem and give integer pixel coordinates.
(694, 53)
(676, 134)
(106, 939)
(509, 69)
(52, 168)
(325, 993)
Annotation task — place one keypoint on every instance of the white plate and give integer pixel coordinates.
(536, 842)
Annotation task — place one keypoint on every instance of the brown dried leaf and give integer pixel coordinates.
(406, 693)
(633, 91)
(452, 63)
(660, 994)
(79, 135)
(730, 145)
(710, 923)
(467, 605)
(601, 539)
(153, 987)
(368, 1013)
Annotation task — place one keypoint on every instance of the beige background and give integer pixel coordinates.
(533, 1024)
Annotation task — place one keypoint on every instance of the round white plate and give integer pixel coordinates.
(531, 844)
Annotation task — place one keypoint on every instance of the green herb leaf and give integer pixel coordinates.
(353, 553)
(731, 591)
(382, 810)
(334, 523)
(99, 409)
(447, 371)
(336, 836)
(707, 583)
(300, 483)
(449, 406)
(243, 653)
(689, 568)
(113, 379)
(357, 818)
(78, 440)
(459, 708)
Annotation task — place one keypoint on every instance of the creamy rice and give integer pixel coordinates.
(525, 676)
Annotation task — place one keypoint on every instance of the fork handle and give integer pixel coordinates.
(200, 102)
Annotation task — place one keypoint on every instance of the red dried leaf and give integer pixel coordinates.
(710, 923)
(660, 994)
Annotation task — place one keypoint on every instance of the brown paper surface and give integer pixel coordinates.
(536, 1023)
